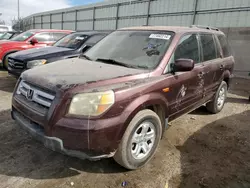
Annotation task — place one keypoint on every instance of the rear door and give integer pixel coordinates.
(213, 63)
(44, 39)
(186, 90)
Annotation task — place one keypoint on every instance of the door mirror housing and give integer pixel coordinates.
(183, 65)
(33, 41)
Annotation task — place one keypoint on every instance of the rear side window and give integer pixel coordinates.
(208, 46)
(188, 48)
(94, 39)
(224, 45)
(57, 36)
(43, 37)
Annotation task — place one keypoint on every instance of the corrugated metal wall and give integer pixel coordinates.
(122, 13)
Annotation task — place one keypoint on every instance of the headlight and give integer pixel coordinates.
(35, 63)
(91, 104)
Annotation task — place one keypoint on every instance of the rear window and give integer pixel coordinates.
(224, 45)
(208, 46)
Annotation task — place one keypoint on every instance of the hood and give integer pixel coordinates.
(41, 53)
(67, 73)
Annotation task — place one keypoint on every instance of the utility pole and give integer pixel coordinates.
(18, 15)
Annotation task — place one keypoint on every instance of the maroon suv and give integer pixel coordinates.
(117, 99)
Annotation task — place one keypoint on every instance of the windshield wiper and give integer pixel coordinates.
(86, 57)
(114, 62)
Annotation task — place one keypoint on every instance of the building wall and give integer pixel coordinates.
(114, 14)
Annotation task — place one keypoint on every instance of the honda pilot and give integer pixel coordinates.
(118, 98)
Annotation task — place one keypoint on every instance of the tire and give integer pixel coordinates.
(126, 154)
(215, 106)
(5, 62)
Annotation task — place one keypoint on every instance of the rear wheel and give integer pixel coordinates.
(140, 140)
(217, 104)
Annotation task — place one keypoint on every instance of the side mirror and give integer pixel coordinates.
(33, 41)
(183, 65)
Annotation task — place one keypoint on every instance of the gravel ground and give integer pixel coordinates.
(198, 150)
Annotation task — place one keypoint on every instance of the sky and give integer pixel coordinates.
(8, 8)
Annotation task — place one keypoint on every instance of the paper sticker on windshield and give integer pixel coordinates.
(80, 38)
(160, 36)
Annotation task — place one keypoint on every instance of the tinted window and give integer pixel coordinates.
(94, 39)
(208, 46)
(43, 37)
(6, 36)
(23, 36)
(138, 49)
(188, 48)
(224, 45)
(57, 36)
(73, 41)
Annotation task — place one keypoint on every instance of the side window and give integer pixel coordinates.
(224, 45)
(57, 36)
(188, 48)
(94, 39)
(43, 37)
(208, 46)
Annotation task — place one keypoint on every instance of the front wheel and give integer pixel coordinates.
(140, 140)
(5, 62)
(217, 104)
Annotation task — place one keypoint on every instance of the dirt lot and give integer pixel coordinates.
(198, 150)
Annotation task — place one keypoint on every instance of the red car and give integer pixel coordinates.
(29, 39)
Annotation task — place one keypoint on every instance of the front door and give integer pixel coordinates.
(187, 88)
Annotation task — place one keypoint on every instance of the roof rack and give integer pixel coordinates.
(204, 27)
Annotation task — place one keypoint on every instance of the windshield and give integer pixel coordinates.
(6, 35)
(133, 48)
(1, 34)
(72, 41)
(23, 36)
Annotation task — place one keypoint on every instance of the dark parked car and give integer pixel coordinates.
(68, 47)
(117, 99)
(9, 34)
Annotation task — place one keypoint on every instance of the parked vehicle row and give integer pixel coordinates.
(117, 99)
(27, 40)
(5, 28)
(70, 46)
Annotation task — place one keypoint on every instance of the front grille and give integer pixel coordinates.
(16, 64)
(34, 97)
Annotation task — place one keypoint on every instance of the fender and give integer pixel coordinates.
(141, 103)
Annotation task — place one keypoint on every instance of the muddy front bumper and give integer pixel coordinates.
(52, 143)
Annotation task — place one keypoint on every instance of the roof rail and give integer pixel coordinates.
(205, 27)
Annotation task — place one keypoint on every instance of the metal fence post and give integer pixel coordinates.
(76, 20)
(41, 21)
(34, 22)
(50, 21)
(93, 26)
(117, 15)
(62, 20)
(148, 12)
(195, 11)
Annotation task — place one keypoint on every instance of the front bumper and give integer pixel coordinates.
(15, 72)
(52, 143)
